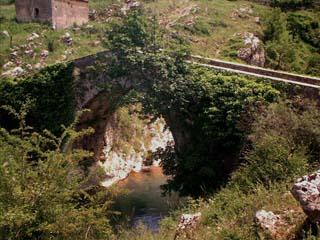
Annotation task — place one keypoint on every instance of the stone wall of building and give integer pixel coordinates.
(65, 13)
(33, 10)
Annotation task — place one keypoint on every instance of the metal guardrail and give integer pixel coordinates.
(303, 80)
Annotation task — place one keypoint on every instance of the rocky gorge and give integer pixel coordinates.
(129, 144)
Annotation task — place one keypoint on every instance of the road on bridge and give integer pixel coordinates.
(303, 80)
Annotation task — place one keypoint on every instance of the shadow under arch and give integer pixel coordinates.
(96, 91)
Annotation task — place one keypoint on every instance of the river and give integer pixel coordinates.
(144, 203)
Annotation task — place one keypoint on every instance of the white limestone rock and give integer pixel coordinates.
(17, 71)
(269, 222)
(253, 53)
(8, 65)
(32, 37)
(5, 33)
(29, 52)
(67, 39)
(44, 54)
(118, 164)
(307, 191)
(187, 224)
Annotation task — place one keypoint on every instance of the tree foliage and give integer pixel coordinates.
(285, 144)
(284, 34)
(51, 90)
(305, 27)
(201, 107)
(43, 193)
(294, 4)
(279, 51)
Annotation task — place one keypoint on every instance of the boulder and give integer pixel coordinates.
(29, 67)
(8, 65)
(187, 224)
(5, 33)
(130, 4)
(306, 190)
(253, 53)
(67, 39)
(270, 223)
(38, 66)
(30, 52)
(44, 53)
(17, 71)
(243, 12)
(13, 55)
(32, 37)
(93, 14)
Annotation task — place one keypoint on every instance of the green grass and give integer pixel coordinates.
(84, 40)
(209, 28)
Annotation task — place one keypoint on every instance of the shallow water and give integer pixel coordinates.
(144, 202)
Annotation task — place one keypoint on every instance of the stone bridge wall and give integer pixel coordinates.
(90, 94)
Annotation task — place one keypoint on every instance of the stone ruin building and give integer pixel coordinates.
(59, 13)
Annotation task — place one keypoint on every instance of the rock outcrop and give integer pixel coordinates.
(187, 224)
(118, 162)
(67, 39)
(307, 191)
(270, 223)
(252, 53)
(17, 71)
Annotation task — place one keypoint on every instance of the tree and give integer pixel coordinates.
(280, 51)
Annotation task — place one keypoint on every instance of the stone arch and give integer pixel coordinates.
(90, 93)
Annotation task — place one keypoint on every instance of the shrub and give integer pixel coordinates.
(51, 44)
(305, 27)
(53, 95)
(293, 4)
(313, 67)
(42, 193)
(271, 160)
(285, 144)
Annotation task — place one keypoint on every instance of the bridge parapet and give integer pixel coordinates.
(292, 78)
(303, 80)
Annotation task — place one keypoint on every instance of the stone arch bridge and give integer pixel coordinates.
(91, 94)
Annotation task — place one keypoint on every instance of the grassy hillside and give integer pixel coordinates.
(212, 28)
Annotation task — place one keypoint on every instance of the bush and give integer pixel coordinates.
(208, 107)
(42, 193)
(271, 160)
(285, 145)
(305, 27)
(313, 67)
(51, 90)
(293, 4)
(51, 44)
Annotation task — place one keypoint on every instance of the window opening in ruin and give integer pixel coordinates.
(36, 12)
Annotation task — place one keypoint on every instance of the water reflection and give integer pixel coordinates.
(144, 202)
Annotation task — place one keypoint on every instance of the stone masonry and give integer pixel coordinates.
(59, 13)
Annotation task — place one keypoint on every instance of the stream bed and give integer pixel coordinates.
(143, 203)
